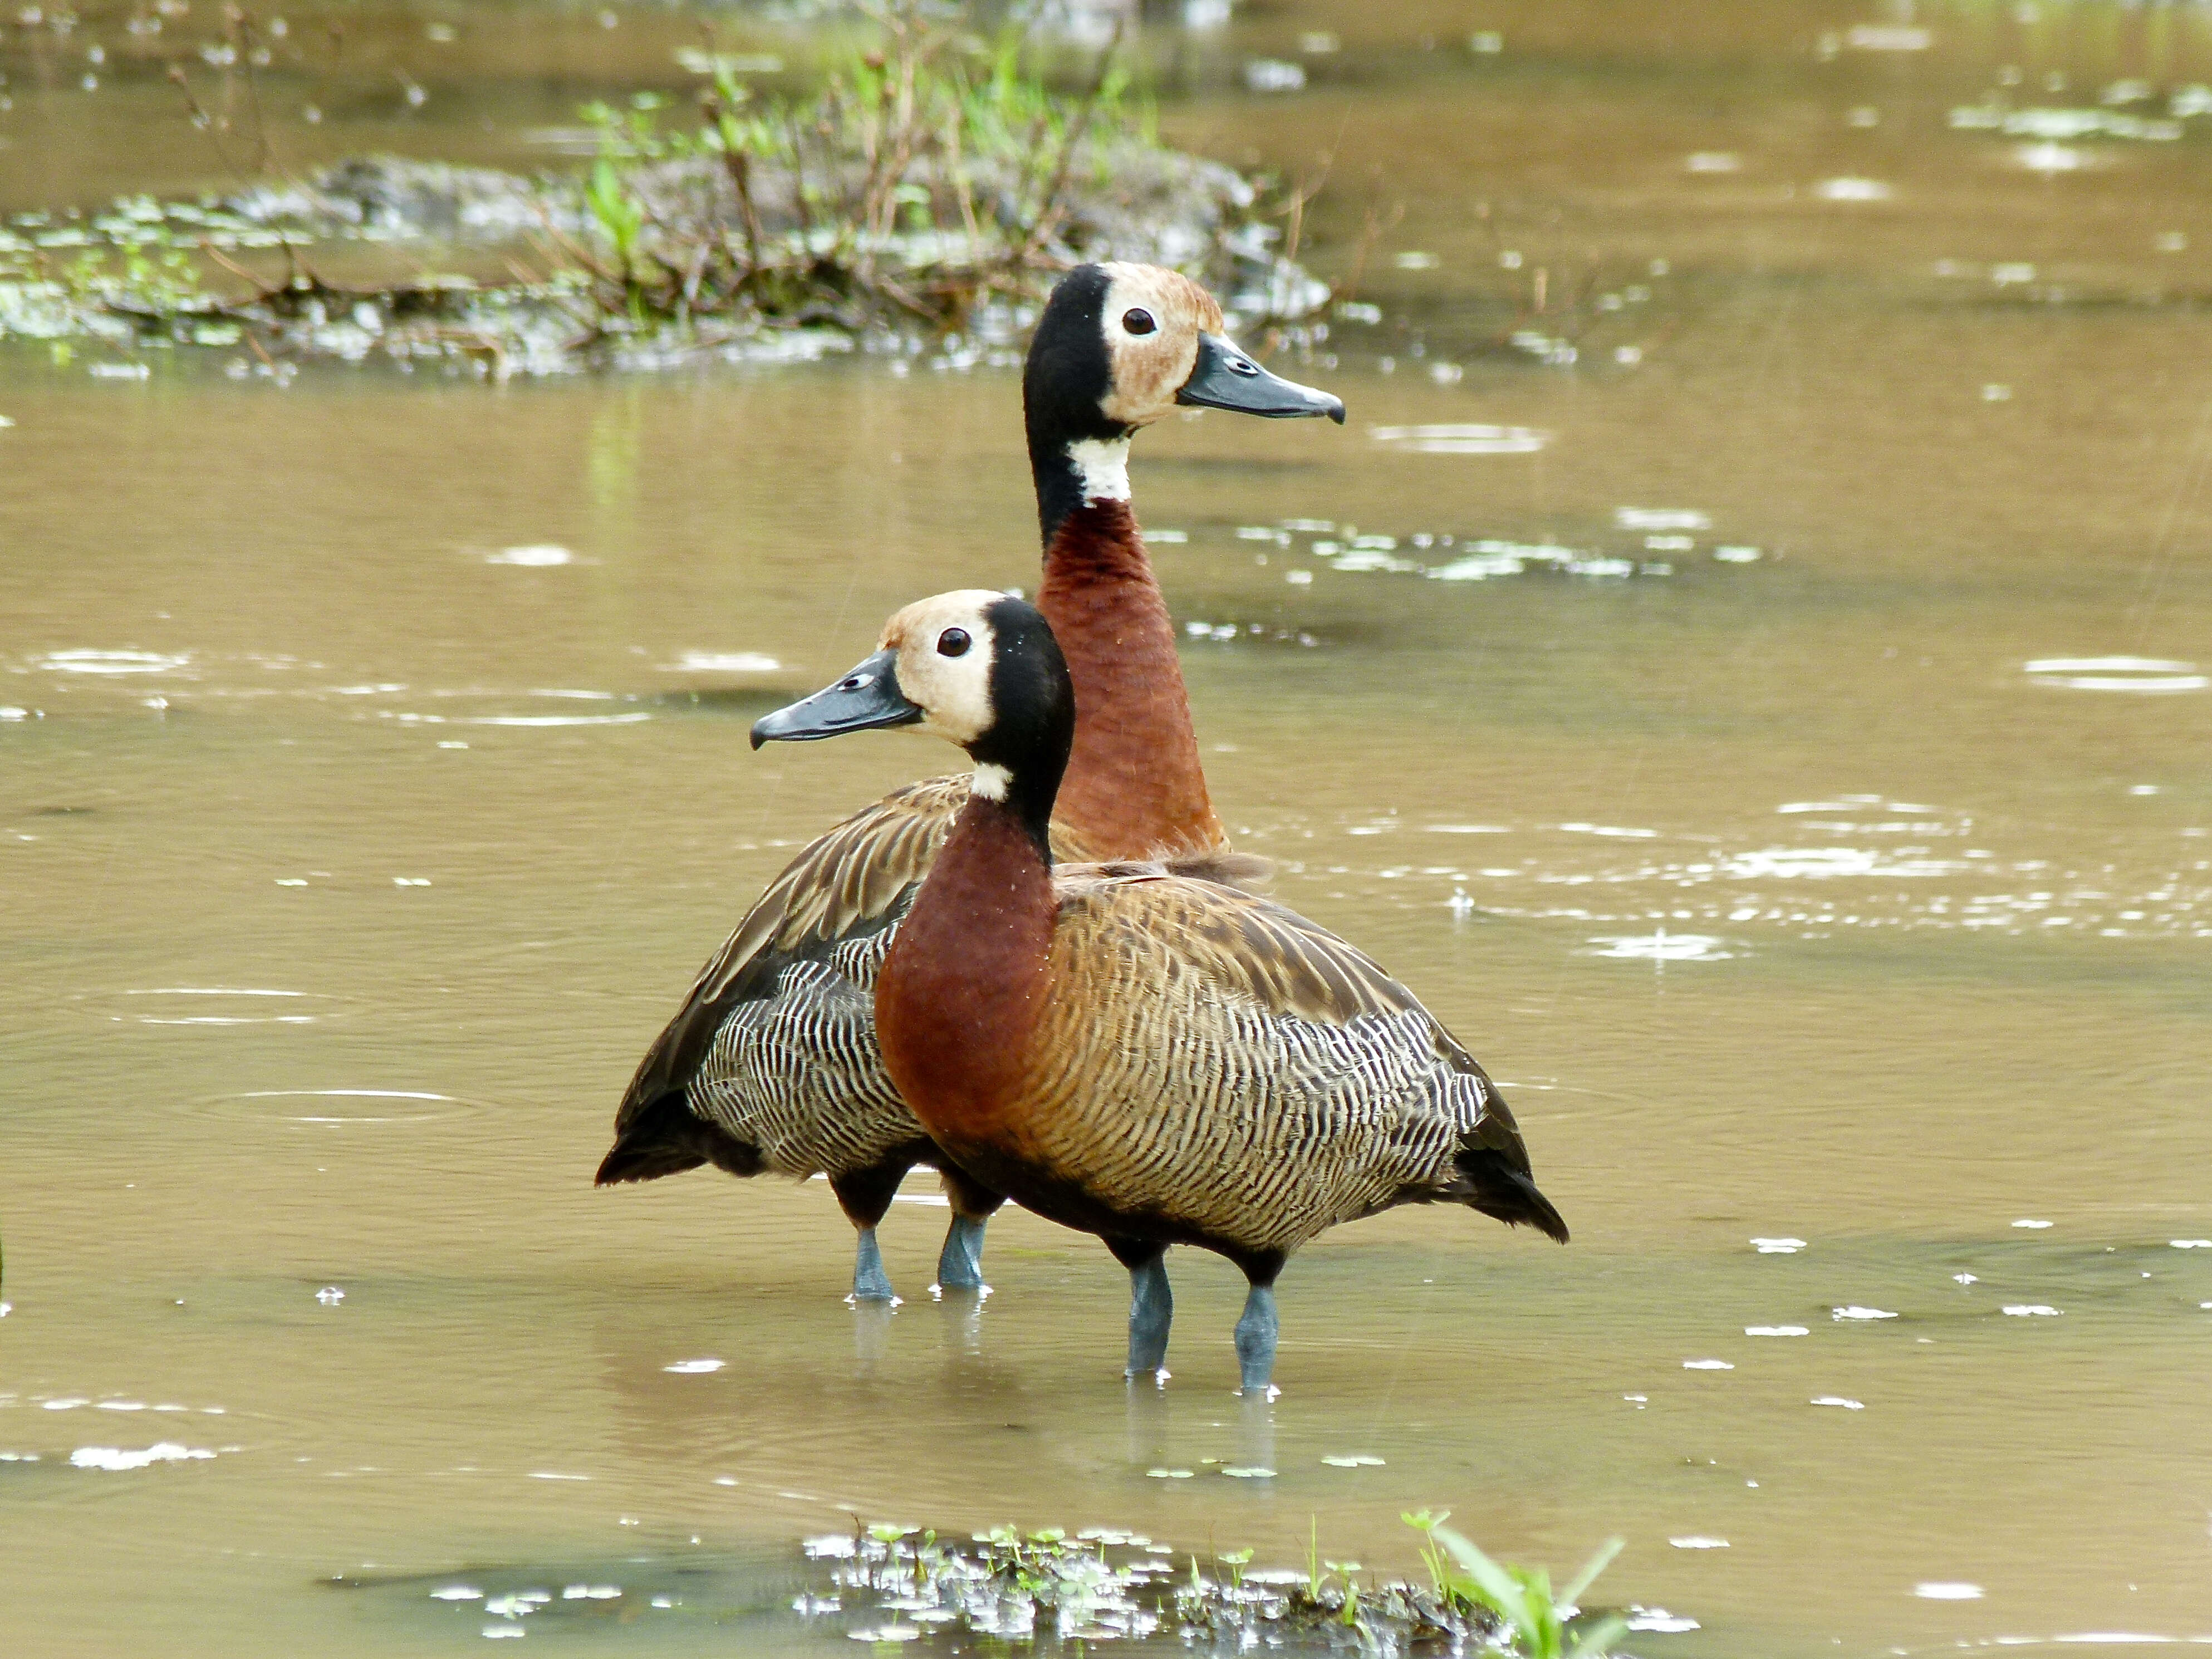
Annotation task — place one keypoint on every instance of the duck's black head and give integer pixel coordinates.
(1118, 348)
(975, 667)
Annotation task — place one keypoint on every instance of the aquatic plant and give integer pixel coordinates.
(1106, 1583)
(922, 180)
(1040, 1589)
(928, 170)
(1534, 1617)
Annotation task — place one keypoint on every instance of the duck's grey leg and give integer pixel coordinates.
(1152, 1315)
(870, 1282)
(960, 1264)
(865, 1195)
(1255, 1340)
(1151, 1305)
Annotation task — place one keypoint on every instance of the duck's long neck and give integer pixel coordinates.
(966, 978)
(1135, 785)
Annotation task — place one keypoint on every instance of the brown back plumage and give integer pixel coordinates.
(1212, 1057)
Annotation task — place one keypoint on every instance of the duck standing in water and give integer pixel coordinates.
(772, 1065)
(1152, 1057)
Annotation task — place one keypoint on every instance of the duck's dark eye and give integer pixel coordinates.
(1138, 321)
(953, 642)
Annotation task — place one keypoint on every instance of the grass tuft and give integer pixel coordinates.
(1539, 1622)
(921, 182)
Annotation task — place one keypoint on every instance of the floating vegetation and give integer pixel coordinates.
(930, 184)
(2137, 674)
(1643, 543)
(2066, 124)
(1046, 1591)
(1461, 439)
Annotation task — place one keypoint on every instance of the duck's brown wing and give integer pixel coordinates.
(1224, 1059)
(772, 1061)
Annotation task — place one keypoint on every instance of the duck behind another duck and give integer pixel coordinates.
(1150, 1057)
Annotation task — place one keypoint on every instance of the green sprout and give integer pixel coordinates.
(621, 219)
(1535, 1615)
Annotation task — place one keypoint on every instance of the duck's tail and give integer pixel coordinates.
(658, 1135)
(1494, 1175)
(1502, 1188)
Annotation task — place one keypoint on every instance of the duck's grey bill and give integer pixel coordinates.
(864, 700)
(1226, 379)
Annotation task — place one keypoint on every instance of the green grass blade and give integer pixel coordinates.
(1594, 1638)
(1573, 1589)
(1494, 1586)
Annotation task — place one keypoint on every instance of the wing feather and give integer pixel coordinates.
(1216, 1057)
(854, 880)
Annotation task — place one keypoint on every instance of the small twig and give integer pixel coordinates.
(206, 123)
(1372, 231)
(239, 28)
(1303, 195)
(545, 250)
(899, 295)
(691, 289)
(958, 168)
(263, 290)
(799, 204)
(738, 164)
(575, 250)
(474, 341)
(894, 151)
(1048, 206)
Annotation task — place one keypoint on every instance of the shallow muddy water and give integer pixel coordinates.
(1774, 742)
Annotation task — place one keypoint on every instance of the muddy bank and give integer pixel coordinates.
(380, 257)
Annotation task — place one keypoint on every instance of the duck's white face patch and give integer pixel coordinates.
(1152, 319)
(944, 647)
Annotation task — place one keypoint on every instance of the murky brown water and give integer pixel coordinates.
(348, 869)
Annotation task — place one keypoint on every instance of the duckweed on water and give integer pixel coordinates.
(932, 182)
(1045, 1591)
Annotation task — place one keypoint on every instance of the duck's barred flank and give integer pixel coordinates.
(1223, 1071)
(772, 1067)
(797, 1073)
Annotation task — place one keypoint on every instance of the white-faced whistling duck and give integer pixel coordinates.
(1152, 1057)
